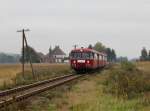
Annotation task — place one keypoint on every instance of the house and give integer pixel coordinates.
(58, 55)
(55, 55)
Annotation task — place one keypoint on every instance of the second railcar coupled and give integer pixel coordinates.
(83, 59)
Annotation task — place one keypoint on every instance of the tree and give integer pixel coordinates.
(90, 46)
(113, 54)
(50, 51)
(99, 47)
(144, 55)
(109, 56)
(149, 55)
(30, 54)
(9, 58)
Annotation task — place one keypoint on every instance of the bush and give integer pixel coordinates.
(125, 81)
(128, 66)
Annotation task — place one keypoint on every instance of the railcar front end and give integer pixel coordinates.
(85, 59)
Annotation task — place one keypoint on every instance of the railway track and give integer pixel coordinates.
(10, 96)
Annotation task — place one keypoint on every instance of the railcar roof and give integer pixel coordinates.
(88, 50)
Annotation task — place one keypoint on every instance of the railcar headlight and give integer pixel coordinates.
(88, 62)
(74, 62)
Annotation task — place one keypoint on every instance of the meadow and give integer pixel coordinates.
(10, 73)
(89, 94)
(115, 89)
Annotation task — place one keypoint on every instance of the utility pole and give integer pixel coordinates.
(24, 42)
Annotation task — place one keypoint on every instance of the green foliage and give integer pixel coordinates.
(9, 58)
(40, 74)
(144, 55)
(30, 54)
(111, 54)
(90, 46)
(108, 103)
(50, 50)
(99, 47)
(125, 81)
(128, 66)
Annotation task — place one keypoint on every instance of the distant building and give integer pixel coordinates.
(56, 55)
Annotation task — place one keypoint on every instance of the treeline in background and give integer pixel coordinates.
(35, 56)
(9, 58)
(111, 53)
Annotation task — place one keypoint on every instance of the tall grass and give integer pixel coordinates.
(42, 71)
(88, 94)
(126, 81)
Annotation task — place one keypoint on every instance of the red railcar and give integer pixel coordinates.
(82, 59)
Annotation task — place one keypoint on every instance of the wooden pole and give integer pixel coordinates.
(29, 57)
(23, 34)
(24, 42)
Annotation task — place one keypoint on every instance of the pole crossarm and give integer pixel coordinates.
(23, 30)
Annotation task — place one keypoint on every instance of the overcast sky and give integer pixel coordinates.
(120, 24)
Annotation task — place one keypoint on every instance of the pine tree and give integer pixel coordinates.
(144, 54)
(113, 55)
(108, 52)
(50, 51)
(90, 46)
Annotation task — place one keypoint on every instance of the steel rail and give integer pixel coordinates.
(37, 89)
(25, 87)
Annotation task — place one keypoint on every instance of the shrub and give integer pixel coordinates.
(128, 66)
(125, 81)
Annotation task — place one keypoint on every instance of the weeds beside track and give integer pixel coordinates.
(8, 97)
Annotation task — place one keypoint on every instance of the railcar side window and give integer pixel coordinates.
(100, 57)
(95, 56)
(91, 55)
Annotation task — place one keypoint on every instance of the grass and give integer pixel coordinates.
(10, 74)
(126, 81)
(144, 66)
(87, 94)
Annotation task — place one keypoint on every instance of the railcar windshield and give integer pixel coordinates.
(82, 55)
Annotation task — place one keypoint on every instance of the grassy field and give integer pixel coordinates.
(145, 66)
(86, 94)
(8, 72)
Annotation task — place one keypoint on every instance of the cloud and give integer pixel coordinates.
(117, 23)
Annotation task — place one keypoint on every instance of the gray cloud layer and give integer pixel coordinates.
(121, 24)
